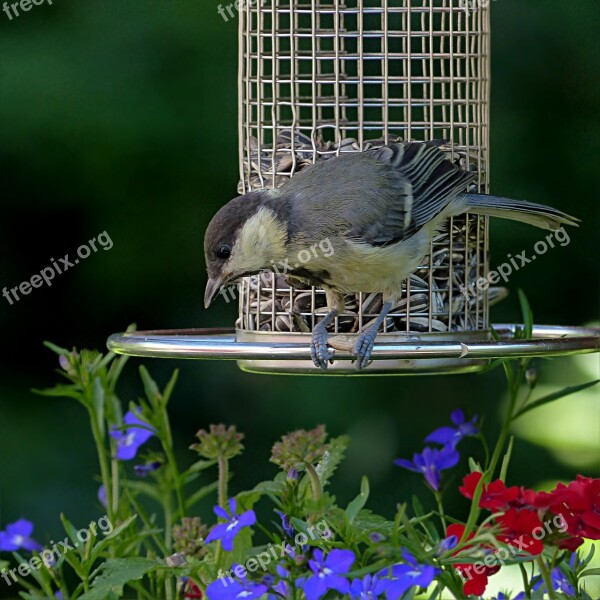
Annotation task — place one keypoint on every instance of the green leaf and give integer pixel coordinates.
(99, 547)
(166, 395)
(506, 459)
(332, 458)
(556, 396)
(115, 573)
(527, 315)
(359, 502)
(150, 387)
(589, 572)
(98, 398)
(57, 349)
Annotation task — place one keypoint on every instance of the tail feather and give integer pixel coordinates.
(537, 215)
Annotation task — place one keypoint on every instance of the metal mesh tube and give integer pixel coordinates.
(321, 77)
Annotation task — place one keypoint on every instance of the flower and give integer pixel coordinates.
(188, 538)
(102, 496)
(282, 587)
(579, 505)
(494, 496)
(226, 532)
(328, 573)
(517, 527)
(286, 524)
(219, 442)
(145, 470)
(406, 575)
(430, 462)
(453, 435)
(560, 583)
(447, 544)
(476, 580)
(240, 588)
(129, 440)
(17, 535)
(370, 586)
(299, 448)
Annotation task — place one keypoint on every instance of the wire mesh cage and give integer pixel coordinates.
(323, 77)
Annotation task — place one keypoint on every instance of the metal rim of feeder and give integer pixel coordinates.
(425, 354)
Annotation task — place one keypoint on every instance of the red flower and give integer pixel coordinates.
(191, 590)
(578, 503)
(496, 496)
(476, 575)
(522, 529)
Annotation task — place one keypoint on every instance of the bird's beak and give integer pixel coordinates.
(212, 289)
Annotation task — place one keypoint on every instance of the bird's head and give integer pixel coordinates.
(245, 237)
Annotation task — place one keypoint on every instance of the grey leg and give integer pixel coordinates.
(319, 351)
(366, 340)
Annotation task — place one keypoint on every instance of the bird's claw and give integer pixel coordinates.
(319, 351)
(364, 347)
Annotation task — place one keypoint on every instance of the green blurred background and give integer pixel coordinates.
(121, 115)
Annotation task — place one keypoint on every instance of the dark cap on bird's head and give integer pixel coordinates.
(242, 239)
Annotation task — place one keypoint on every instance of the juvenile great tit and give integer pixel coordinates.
(379, 211)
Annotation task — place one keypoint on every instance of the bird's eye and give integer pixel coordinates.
(224, 252)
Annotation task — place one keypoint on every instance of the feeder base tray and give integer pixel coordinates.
(393, 354)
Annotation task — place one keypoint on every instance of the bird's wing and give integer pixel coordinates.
(381, 196)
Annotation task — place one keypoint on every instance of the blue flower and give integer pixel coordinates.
(430, 462)
(560, 583)
(240, 588)
(129, 440)
(405, 576)
(447, 544)
(286, 524)
(282, 587)
(144, 470)
(102, 496)
(503, 596)
(453, 435)
(367, 588)
(226, 532)
(328, 574)
(17, 535)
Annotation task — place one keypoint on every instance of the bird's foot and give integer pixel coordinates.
(319, 351)
(364, 347)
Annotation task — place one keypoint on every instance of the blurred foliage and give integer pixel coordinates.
(122, 116)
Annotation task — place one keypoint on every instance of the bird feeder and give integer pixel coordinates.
(318, 78)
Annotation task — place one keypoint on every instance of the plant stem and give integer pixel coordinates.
(545, 576)
(440, 505)
(314, 481)
(104, 472)
(223, 478)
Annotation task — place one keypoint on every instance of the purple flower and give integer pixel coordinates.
(453, 435)
(102, 496)
(286, 524)
(328, 574)
(503, 596)
(447, 544)
(228, 588)
(282, 587)
(226, 532)
(430, 462)
(144, 470)
(560, 583)
(17, 535)
(376, 537)
(129, 440)
(367, 588)
(404, 576)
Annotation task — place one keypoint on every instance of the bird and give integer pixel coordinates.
(378, 210)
